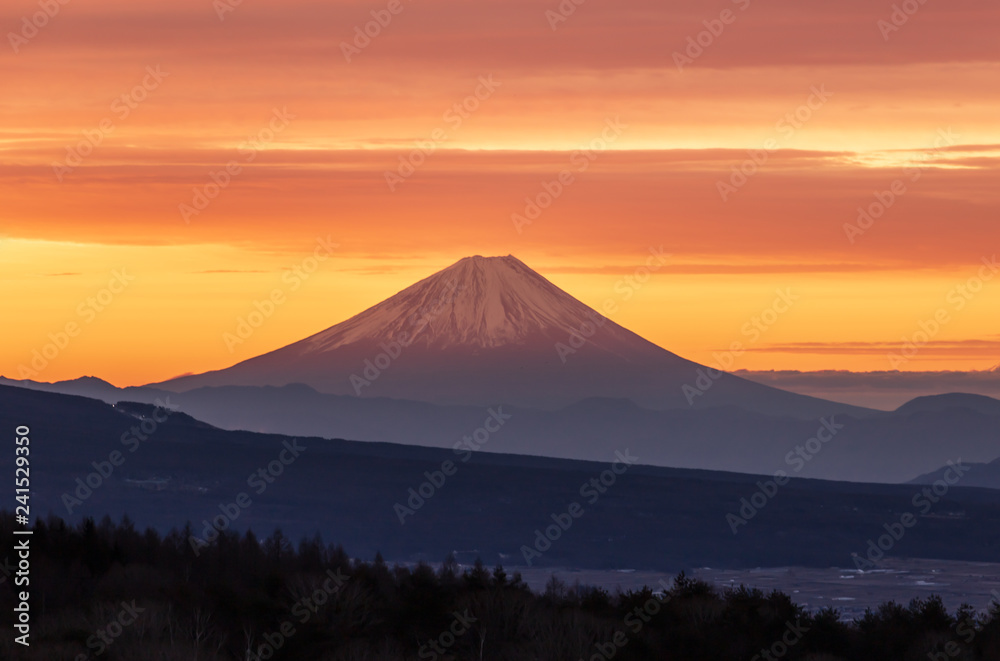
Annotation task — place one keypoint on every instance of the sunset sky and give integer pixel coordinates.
(498, 98)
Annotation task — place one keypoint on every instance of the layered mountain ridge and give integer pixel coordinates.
(490, 330)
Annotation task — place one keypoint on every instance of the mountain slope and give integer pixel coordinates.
(489, 330)
(956, 400)
(888, 448)
(974, 474)
(489, 507)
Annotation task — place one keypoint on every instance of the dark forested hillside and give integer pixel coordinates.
(113, 592)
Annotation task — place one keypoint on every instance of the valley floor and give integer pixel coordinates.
(848, 590)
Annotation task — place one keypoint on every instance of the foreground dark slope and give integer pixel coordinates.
(651, 518)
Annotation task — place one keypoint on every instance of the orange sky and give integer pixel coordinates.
(309, 138)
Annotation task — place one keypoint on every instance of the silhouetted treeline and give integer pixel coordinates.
(109, 591)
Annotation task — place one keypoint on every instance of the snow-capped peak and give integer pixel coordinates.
(477, 301)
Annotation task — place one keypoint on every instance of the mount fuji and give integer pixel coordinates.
(490, 330)
(490, 339)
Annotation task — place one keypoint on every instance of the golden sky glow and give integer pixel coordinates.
(501, 102)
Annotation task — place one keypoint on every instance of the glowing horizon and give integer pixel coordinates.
(434, 140)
